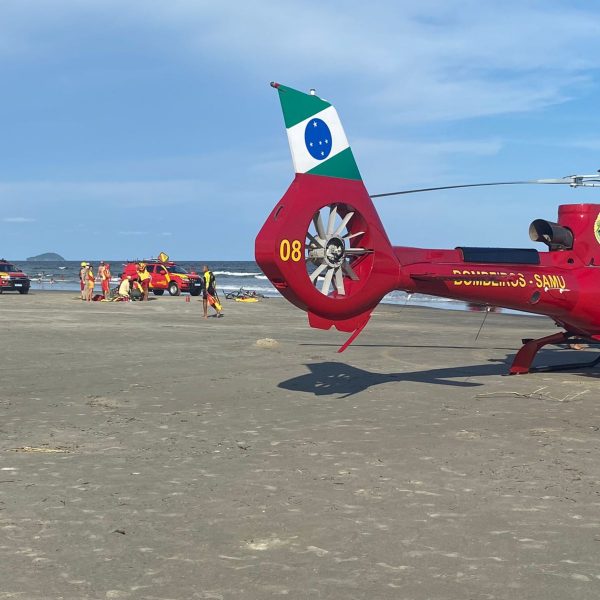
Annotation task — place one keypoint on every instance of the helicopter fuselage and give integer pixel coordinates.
(563, 284)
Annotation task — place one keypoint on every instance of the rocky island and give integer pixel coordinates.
(47, 256)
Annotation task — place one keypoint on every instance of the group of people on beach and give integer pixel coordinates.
(128, 286)
(87, 279)
(138, 287)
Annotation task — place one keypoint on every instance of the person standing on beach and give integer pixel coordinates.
(91, 281)
(209, 293)
(101, 270)
(104, 272)
(83, 280)
(144, 279)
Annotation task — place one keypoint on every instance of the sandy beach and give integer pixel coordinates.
(148, 453)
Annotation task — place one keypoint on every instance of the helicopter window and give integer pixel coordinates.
(515, 256)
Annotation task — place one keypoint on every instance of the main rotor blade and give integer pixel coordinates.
(571, 180)
(343, 224)
(451, 187)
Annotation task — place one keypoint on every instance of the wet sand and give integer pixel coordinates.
(147, 453)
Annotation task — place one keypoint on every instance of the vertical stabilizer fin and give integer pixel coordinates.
(317, 139)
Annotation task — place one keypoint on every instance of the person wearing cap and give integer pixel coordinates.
(144, 279)
(83, 279)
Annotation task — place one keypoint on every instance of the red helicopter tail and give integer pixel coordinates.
(323, 246)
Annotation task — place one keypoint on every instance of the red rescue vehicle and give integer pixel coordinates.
(12, 278)
(166, 275)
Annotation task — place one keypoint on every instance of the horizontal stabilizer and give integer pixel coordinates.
(340, 324)
(355, 325)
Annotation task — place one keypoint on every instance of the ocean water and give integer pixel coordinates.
(230, 276)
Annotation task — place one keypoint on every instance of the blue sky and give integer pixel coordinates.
(134, 127)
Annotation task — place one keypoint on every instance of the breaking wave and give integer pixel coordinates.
(236, 274)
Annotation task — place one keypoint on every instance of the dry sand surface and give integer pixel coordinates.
(147, 453)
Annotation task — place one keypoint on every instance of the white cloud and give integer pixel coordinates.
(426, 60)
(17, 220)
(432, 60)
(95, 195)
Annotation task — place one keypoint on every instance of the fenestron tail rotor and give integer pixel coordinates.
(329, 253)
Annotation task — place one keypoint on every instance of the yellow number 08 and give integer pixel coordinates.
(291, 250)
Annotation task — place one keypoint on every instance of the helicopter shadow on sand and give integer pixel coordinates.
(336, 378)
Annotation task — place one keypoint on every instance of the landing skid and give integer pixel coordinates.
(524, 357)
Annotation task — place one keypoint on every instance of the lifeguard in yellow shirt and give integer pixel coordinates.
(144, 278)
(90, 282)
(209, 293)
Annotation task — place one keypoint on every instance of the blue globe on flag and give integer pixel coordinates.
(317, 138)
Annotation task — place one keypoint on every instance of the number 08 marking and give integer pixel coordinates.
(290, 250)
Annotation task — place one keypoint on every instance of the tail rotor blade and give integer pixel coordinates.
(315, 240)
(343, 224)
(353, 235)
(339, 282)
(349, 271)
(331, 221)
(327, 281)
(318, 222)
(317, 272)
